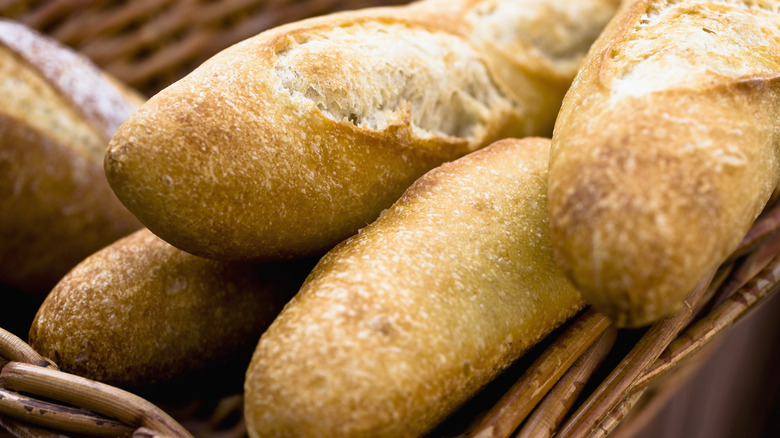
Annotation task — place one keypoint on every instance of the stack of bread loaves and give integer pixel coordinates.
(282, 146)
(362, 197)
(289, 142)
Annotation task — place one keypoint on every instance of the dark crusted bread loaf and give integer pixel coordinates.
(58, 112)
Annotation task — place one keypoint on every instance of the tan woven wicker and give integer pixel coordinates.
(582, 381)
(149, 44)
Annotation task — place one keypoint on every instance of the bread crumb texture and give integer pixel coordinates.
(435, 80)
(523, 28)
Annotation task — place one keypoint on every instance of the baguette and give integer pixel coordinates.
(140, 312)
(401, 324)
(289, 142)
(58, 113)
(665, 151)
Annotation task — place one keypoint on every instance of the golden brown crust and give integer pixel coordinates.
(56, 207)
(402, 323)
(57, 115)
(141, 312)
(665, 151)
(288, 142)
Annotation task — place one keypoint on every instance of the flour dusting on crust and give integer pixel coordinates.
(75, 76)
(712, 40)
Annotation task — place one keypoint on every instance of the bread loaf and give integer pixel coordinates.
(401, 324)
(665, 150)
(141, 312)
(286, 143)
(57, 115)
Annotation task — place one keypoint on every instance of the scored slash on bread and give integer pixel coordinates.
(665, 150)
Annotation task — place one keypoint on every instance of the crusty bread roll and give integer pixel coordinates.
(665, 151)
(58, 112)
(286, 143)
(402, 323)
(141, 312)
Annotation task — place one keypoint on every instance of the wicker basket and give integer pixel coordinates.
(149, 44)
(586, 379)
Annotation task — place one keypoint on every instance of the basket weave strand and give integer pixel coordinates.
(149, 44)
